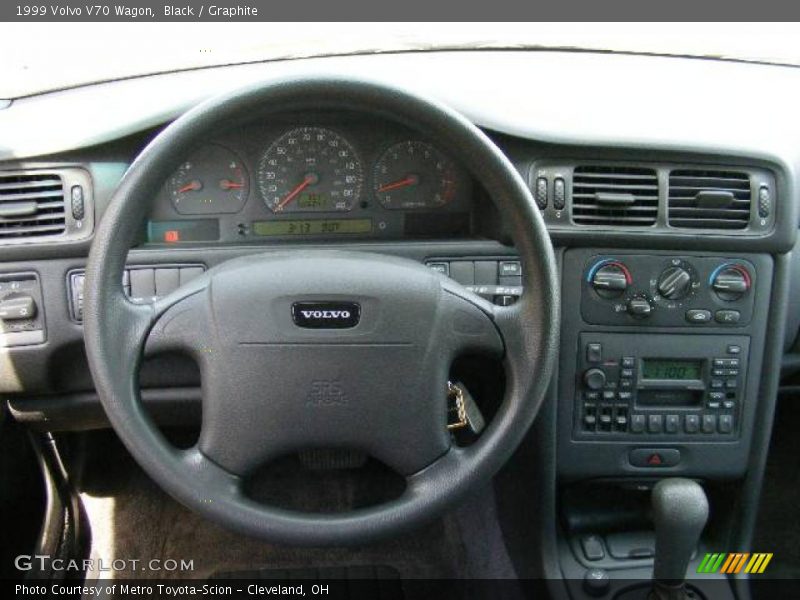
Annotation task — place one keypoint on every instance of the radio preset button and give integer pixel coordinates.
(671, 423)
(731, 384)
(709, 423)
(726, 423)
(691, 423)
(637, 423)
(713, 405)
(654, 423)
(717, 384)
(728, 404)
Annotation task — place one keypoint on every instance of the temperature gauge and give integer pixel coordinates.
(211, 181)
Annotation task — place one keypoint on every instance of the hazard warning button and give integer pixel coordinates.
(654, 458)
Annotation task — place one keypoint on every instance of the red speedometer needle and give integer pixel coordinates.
(410, 180)
(308, 180)
(191, 186)
(227, 184)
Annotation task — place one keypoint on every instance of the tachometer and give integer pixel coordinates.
(414, 174)
(211, 181)
(310, 169)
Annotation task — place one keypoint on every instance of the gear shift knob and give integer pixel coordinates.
(680, 512)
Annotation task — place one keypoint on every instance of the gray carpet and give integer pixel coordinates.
(131, 518)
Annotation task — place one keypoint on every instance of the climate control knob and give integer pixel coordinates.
(640, 307)
(594, 379)
(610, 280)
(730, 282)
(674, 283)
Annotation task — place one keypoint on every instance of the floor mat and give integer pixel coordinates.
(131, 518)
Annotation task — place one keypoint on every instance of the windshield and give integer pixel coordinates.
(41, 57)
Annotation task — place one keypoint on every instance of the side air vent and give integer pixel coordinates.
(614, 195)
(31, 205)
(48, 205)
(709, 199)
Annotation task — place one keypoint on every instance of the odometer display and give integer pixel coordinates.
(677, 370)
(310, 169)
(312, 227)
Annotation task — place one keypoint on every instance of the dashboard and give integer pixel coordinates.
(301, 176)
(675, 227)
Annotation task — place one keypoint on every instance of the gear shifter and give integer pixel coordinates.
(680, 512)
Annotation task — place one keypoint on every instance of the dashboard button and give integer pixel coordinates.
(709, 423)
(143, 284)
(654, 457)
(486, 272)
(691, 423)
(628, 362)
(698, 315)
(727, 317)
(594, 352)
(637, 423)
(463, 271)
(654, 423)
(726, 423)
(671, 423)
(189, 273)
(559, 194)
(167, 280)
(510, 268)
(440, 267)
(541, 192)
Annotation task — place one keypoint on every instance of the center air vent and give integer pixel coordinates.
(31, 205)
(614, 195)
(705, 199)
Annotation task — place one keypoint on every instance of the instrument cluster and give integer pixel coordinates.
(322, 178)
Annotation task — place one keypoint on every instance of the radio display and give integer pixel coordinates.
(675, 370)
(312, 227)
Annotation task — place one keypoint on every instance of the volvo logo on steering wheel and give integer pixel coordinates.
(326, 315)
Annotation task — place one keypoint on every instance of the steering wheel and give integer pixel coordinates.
(321, 349)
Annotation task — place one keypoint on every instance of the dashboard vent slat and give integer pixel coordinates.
(34, 204)
(614, 195)
(709, 199)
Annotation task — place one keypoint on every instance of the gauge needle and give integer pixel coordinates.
(191, 187)
(309, 179)
(227, 184)
(410, 180)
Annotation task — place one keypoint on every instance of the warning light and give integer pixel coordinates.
(172, 235)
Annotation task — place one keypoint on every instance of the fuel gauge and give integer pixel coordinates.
(211, 181)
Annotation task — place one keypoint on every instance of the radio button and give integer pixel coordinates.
(709, 423)
(728, 404)
(626, 373)
(589, 421)
(637, 423)
(716, 396)
(609, 395)
(691, 423)
(625, 383)
(628, 362)
(726, 423)
(713, 405)
(592, 396)
(671, 423)
(734, 349)
(731, 384)
(717, 384)
(625, 396)
(654, 423)
(594, 352)
(698, 315)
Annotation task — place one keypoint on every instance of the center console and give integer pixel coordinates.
(660, 362)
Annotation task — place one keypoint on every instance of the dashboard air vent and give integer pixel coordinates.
(31, 205)
(614, 195)
(709, 199)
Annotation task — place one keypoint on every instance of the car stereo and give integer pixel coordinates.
(665, 386)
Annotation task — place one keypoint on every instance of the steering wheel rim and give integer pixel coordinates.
(117, 330)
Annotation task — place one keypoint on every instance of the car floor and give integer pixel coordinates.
(130, 517)
(777, 528)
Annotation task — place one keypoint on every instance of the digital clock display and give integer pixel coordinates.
(312, 227)
(667, 369)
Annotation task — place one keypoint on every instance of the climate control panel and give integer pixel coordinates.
(659, 291)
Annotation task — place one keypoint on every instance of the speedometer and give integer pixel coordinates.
(310, 169)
